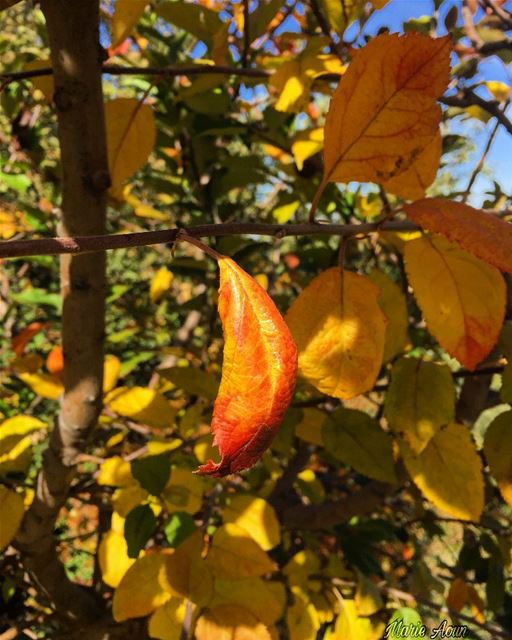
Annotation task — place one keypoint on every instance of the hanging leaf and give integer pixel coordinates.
(11, 514)
(419, 401)
(357, 440)
(449, 472)
(498, 453)
(461, 297)
(394, 305)
(131, 134)
(483, 234)
(305, 144)
(383, 113)
(258, 374)
(340, 346)
(126, 15)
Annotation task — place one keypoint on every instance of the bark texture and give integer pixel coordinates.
(73, 30)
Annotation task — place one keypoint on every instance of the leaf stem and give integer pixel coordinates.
(316, 200)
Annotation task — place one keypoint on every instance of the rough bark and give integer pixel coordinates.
(73, 30)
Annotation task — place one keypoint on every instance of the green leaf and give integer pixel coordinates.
(152, 472)
(139, 526)
(192, 380)
(179, 526)
(357, 440)
(404, 623)
(419, 401)
(16, 182)
(37, 297)
(199, 21)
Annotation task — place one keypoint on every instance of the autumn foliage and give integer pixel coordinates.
(305, 380)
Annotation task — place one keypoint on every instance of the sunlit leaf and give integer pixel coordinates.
(192, 380)
(230, 622)
(256, 516)
(141, 404)
(183, 492)
(419, 401)
(198, 20)
(461, 297)
(483, 234)
(449, 472)
(166, 623)
(160, 284)
(45, 385)
(113, 558)
(258, 373)
(20, 426)
(349, 626)
(305, 144)
(301, 618)
(340, 345)
(188, 573)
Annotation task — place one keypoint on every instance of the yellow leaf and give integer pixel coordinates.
(349, 626)
(11, 515)
(15, 454)
(309, 428)
(340, 346)
(111, 371)
(284, 212)
(498, 453)
(160, 284)
(262, 598)
(192, 380)
(449, 472)
(394, 305)
(230, 622)
(341, 13)
(357, 440)
(202, 22)
(420, 174)
(368, 599)
(20, 426)
(166, 623)
(420, 400)
(256, 517)
(45, 385)
(302, 565)
(131, 135)
(301, 618)
(143, 588)
(125, 498)
(184, 492)
(188, 573)
(305, 144)
(384, 113)
(500, 91)
(126, 15)
(115, 472)
(234, 554)
(113, 558)
(44, 84)
(461, 297)
(143, 405)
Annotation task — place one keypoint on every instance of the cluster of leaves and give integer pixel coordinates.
(389, 480)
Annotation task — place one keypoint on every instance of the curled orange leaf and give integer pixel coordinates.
(482, 234)
(258, 374)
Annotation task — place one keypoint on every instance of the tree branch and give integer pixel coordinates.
(73, 30)
(467, 98)
(94, 243)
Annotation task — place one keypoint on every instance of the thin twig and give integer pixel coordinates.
(481, 161)
(467, 98)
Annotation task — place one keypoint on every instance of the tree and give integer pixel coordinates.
(354, 366)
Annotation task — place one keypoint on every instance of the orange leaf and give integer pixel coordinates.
(383, 113)
(340, 345)
(55, 361)
(461, 297)
(482, 234)
(258, 374)
(20, 341)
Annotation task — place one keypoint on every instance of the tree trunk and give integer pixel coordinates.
(73, 29)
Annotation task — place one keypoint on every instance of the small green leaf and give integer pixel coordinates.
(138, 528)
(37, 297)
(405, 623)
(179, 526)
(152, 472)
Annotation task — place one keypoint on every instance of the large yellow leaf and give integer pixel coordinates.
(20, 426)
(113, 558)
(340, 346)
(230, 622)
(419, 401)
(349, 626)
(340, 13)
(482, 234)
(188, 573)
(394, 305)
(461, 297)
(301, 618)
(160, 284)
(498, 452)
(234, 554)
(45, 385)
(143, 588)
(142, 405)
(255, 516)
(357, 440)
(383, 113)
(184, 492)
(166, 623)
(11, 515)
(262, 598)
(305, 144)
(449, 472)
(131, 137)
(413, 182)
(126, 15)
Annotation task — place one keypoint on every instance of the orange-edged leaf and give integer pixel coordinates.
(461, 297)
(340, 345)
(482, 234)
(383, 113)
(258, 373)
